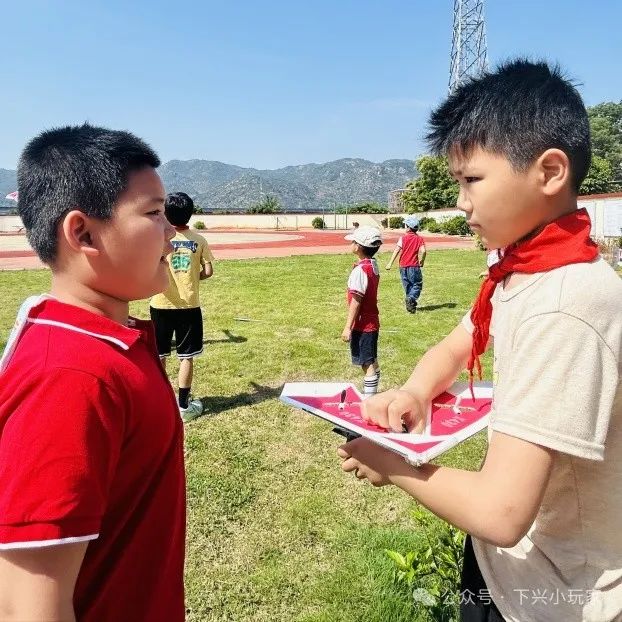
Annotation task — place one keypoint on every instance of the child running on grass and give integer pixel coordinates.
(411, 250)
(363, 321)
(543, 511)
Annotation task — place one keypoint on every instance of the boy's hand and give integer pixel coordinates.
(346, 334)
(370, 461)
(388, 267)
(394, 409)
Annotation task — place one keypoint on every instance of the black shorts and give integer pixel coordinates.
(364, 347)
(187, 327)
(475, 602)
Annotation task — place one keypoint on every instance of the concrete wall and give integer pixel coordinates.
(272, 222)
(605, 211)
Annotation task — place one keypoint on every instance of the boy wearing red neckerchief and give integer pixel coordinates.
(542, 513)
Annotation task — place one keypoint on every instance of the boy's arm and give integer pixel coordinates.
(68, 453)
(207, 258)
(38, 583)
(498, 504)
(422, 254)
(396, 252)
(536, 416)
(206, 270)
(353, 311)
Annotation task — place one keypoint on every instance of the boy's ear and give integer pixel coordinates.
(553, 171)
(76, 229)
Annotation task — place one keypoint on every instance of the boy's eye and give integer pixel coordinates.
(155, 212)
(470, 180)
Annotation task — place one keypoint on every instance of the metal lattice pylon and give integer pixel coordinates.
(469, 53)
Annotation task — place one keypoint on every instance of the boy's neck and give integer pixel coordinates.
(181, 227)
(79, 295)
(557, 211)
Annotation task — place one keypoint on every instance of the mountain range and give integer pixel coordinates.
(310, 187)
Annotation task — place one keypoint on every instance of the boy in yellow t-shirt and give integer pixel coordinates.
(177, 310)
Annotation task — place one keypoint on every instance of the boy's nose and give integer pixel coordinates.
(462, 203)
(169, 230)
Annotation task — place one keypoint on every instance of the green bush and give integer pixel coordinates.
(433, 572)
(396, 222)
(434, 227)
(318, 223)
(456, 226)
(363, 208)
(384, 222)
(425, 222)
(199, 224)
(268, 205)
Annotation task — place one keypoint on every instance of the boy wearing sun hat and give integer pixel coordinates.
(363, 321)
(411, 250)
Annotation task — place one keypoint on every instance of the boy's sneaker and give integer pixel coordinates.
(194, 410)
(411, 305)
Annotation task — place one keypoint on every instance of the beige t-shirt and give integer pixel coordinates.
(190, 253)
(557, 366)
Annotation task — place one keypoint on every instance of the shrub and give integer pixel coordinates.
(456, 226)
(318, 223)
(268, 205)
(363, 208)
(396, 222)
(433, 571)
(425, 222)
(199, 224)
(434, 227)
(384, 222)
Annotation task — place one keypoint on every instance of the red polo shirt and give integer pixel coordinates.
(364, 280)
(91, 449)
(410, 244)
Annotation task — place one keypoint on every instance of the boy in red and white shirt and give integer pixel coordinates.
(92, 485)
(411, 249)
(363, 321)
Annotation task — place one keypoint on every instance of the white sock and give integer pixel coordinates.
(370, 384)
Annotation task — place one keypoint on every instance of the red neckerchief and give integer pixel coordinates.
(563, 241)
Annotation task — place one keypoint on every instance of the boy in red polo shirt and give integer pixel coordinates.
(363, 321)
(91, 444)
(411, 251)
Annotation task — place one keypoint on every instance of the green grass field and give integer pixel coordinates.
(276, 532)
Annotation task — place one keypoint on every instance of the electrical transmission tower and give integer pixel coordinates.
(469, 54)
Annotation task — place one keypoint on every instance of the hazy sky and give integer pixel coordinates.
(272, 83)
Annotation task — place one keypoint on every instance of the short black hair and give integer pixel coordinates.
(75, 167)
(370, 251)
(518, 111)
(178, 208)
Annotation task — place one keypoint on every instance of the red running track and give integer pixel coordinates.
(307, 242)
